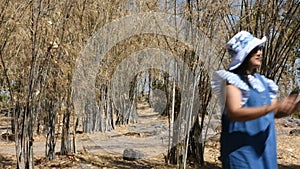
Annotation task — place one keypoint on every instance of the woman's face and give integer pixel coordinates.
(256, 57)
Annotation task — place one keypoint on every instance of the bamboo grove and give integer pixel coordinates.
(41, 40)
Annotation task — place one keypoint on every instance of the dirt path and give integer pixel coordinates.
(150, 136)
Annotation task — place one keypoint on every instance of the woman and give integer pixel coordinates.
(248, 138)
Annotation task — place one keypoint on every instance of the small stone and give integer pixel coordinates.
(132, 155)
(295, 132)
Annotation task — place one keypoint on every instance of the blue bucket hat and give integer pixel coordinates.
(240, 45)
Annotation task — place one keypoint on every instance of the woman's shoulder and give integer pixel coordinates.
(221, 78)
(229, 78)
(272, 86)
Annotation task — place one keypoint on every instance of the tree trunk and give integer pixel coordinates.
(65, 137)
(195, 148)
(24, 140)
(75, 119)
(109, 121)
(50, 139)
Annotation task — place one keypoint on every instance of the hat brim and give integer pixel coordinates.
(240, 57)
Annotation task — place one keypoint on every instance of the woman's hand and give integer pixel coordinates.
(287, 107)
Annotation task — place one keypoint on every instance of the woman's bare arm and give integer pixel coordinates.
(237, 112)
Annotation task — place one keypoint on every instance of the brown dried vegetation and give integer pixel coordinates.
(41, 40)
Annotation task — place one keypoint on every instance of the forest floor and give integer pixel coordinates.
(105, 150)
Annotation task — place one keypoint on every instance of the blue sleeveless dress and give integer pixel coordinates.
(250, 144)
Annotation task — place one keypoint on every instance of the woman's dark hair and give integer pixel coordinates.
(242, 69)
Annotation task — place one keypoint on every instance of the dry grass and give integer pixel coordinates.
(288, 154)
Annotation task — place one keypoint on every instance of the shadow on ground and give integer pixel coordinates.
(88, 161)
(6, 161)
(280, 166)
